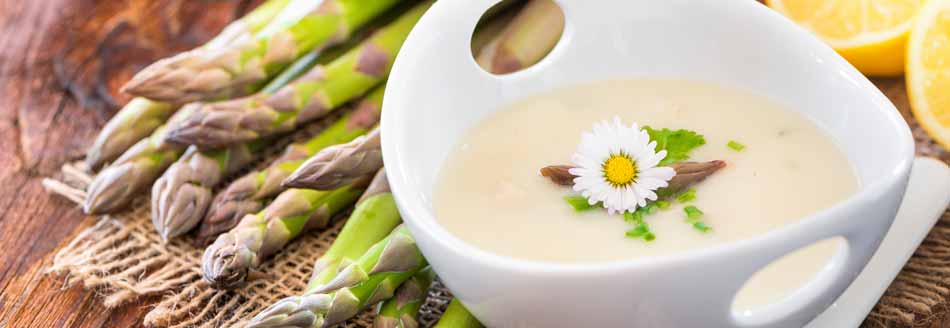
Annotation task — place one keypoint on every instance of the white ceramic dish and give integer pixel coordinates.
(436, 92)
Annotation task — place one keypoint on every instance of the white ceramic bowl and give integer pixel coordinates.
(436, 92)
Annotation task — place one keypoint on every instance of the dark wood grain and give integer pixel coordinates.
(45, 122)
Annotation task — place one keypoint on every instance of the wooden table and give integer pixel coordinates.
(53, 99)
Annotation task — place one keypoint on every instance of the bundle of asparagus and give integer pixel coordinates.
(352, 74)
(141, 116)
(235, 70)
(249, 193)
(137, 168)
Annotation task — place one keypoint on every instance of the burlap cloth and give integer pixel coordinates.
(122, 257)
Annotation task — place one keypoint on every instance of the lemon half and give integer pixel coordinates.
(871, 34)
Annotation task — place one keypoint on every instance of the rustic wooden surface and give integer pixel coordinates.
(44, 123)
(54, 96)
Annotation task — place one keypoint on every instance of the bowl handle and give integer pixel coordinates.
(863, 228)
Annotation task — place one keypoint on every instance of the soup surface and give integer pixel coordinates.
(490, 194)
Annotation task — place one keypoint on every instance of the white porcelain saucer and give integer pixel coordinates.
(927, 197)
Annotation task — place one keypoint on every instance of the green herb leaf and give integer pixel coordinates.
(693, 213)
(702, 227)
(677, 143)
(650, 208)
(663, 204)
(642, 230)
(579, 203)
(649, 236)
(735, 145)
(635, 216)
(686, 196)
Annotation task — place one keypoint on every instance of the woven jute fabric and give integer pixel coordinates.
(123, 258)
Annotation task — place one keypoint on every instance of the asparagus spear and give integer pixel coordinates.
(227, 262)
(350, 75)
(374, 217)
(401, 310)
(526, 40)
(140, 116)
(687, 174)
(371, 279)
(116, 185)
(181, 196)
(249, 193)
(456, 316)
(238, 68)
(339, 164)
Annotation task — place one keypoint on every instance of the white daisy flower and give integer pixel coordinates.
(616, 165)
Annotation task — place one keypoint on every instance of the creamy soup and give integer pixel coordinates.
(489, 192)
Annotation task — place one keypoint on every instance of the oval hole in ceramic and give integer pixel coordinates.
(786, 278)
(516, 34)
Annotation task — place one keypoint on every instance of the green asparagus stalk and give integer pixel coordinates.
(456, 316)
(249, 193)
(116, 185)
(372, 278)
(140, 116)
(339, 164)
(526, 40)
(240, 68)
(227, 262)
(401, 310)
(137, 168)
(687, 175)
(181, 196)
(327, 87)
(374, 217)
(135, 121)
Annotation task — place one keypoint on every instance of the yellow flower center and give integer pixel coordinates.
(620, 170)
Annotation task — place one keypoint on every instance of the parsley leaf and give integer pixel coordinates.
(677, 143)
(579, 203)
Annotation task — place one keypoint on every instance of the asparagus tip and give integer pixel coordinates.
(226, 264)
(112, 189)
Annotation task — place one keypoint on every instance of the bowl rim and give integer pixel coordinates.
(422, 219)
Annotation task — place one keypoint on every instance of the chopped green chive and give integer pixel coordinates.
(686, 196)
(579, 203)
(735, 145)
(663, 204)
(635, 216)
(702, 227)
(650, 208)
(692, 213)
(642, 230)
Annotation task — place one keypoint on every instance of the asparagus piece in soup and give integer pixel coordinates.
(687, 175)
